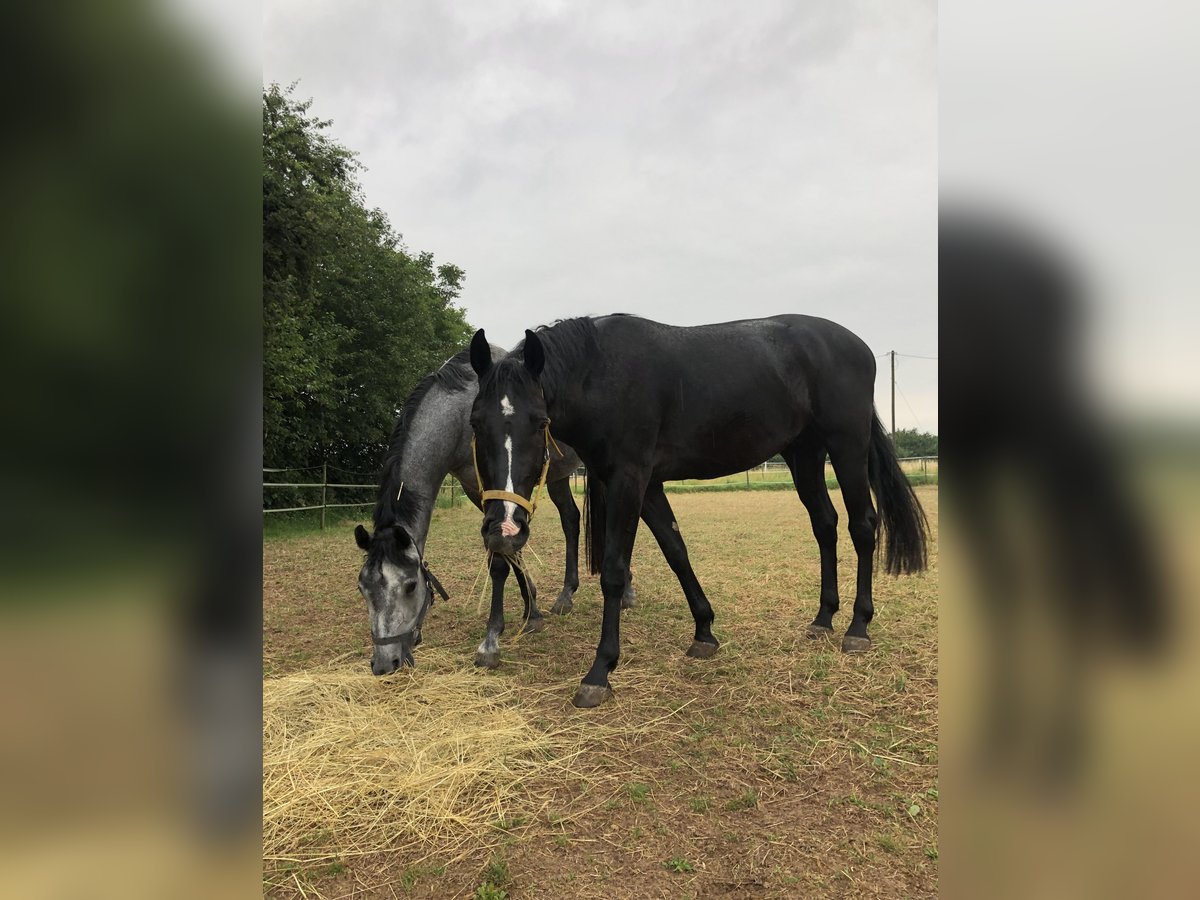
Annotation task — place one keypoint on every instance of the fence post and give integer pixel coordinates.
(452, 493)
(324, 483)
(924, 470)
(747, 478)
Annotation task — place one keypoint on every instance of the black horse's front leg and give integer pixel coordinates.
(488, 654)
(623, 501)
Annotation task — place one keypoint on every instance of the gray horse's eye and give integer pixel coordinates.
(410, 586)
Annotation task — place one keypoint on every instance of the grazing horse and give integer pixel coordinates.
(432, 438)
(643, 403)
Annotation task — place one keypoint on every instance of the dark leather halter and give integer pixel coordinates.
(434, 585)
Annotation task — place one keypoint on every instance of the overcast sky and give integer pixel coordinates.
(689, 162)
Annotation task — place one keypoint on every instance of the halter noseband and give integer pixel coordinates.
(528, 505)
(434, 585)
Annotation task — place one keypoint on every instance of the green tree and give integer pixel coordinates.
(910, 442)
(351, 318)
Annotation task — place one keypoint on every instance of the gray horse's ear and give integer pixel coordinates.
(361, 537)
(481, 354)
(535, 354)
(403, 538)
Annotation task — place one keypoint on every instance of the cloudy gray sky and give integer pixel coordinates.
(689, 162)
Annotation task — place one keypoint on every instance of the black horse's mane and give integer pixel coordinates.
(454, 375)
(568, 342)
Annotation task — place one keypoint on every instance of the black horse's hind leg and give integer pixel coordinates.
(806, 458)
(568, 514)
(657, 513)
(488, 654)
(851, 468)
(533, 615)
(624, 496)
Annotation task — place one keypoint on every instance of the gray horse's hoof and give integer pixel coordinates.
(590, 695)
(816, 632)
(562, 605)
(702, 650)
(489, 660)
(854, 644)
(532, 626)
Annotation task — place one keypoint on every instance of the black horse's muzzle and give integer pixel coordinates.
(501, 540)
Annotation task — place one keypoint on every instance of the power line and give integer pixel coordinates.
(909, 405)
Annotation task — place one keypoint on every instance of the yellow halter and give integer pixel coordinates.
(528, 505)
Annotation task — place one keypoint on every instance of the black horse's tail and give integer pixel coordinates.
(904, 525)
(593, 523)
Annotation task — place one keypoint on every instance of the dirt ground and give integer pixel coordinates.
(779, 768)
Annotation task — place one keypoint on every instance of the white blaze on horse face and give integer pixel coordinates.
(509, 506)
(506, 406)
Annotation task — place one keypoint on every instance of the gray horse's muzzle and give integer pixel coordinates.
(392, 653)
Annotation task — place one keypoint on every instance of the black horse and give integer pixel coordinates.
(643, 403)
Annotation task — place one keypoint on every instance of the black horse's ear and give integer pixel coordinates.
(481, 354)
(361, 537)
(535, 354)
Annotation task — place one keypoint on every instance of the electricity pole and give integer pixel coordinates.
(893, 354)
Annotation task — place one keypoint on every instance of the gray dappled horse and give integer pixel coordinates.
(432, 438)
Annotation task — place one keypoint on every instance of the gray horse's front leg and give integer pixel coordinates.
(533, 616)
(568, 515)
(629, 597)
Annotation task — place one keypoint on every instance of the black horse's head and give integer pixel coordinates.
(510, 424)
(397, 594)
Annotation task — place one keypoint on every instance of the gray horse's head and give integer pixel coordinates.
(397, 593)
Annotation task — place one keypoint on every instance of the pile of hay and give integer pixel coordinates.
(431, 759)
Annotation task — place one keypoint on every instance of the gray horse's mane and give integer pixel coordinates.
(454, 375)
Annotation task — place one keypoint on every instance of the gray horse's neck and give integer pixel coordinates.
(436, 441)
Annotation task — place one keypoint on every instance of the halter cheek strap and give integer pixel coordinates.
(528, 505)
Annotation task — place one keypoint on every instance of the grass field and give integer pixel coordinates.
(780, 767)
(771, 477)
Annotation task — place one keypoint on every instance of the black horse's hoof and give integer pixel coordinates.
(489, 660)
(854, 644)
(532, 626)
(816, 632)
(562, 605)
(702, 650)
(591, 695)
(629, 599)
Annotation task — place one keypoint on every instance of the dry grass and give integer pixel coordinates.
(780, 767)
(354, 765)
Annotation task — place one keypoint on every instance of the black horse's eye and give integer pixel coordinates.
(410, 586)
